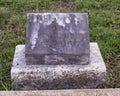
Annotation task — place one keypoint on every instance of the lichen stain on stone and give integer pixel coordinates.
(34, 34)
(82, 31)
(21, 73)
(67, 82)
(35, 19)
(67, 20)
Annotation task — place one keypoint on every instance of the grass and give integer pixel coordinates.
(104, 27)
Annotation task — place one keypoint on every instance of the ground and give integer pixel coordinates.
(104, 28)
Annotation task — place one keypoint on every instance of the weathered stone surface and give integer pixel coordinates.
(72, 92)
(57, 38)
(28, 77)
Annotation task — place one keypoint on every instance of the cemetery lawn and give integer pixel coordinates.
(104, 28)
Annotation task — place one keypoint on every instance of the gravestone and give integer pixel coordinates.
(57, 38)
(57, 54)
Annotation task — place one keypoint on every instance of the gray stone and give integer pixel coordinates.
(28, 77)
(57, 38)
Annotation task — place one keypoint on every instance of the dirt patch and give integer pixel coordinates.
(63, 6)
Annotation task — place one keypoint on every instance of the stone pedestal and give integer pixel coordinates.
(35, 77)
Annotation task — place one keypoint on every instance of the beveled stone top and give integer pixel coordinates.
(62, 34)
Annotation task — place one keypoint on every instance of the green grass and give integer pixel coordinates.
(104, 27)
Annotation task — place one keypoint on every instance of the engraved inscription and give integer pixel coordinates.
(57, 34)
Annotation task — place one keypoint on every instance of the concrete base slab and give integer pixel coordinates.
(42, 77)
(71, 92)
